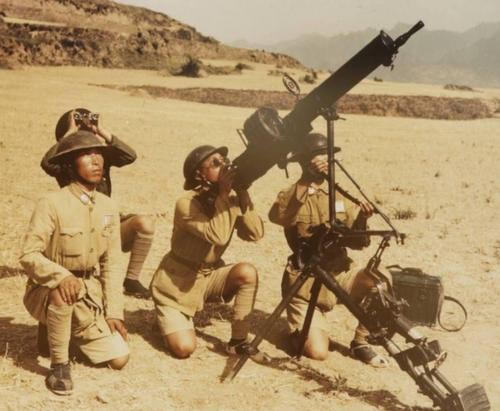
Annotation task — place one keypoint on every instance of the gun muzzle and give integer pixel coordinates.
(404, 37)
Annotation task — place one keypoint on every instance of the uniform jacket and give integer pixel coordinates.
(309, 210)
(201, 240)
(119, 155)
(299, 214)
(69, 231)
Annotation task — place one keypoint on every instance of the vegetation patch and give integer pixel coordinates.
(404, 214)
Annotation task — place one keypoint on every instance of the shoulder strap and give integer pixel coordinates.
(453, 329)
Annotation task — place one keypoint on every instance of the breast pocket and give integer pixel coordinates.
(71, 241)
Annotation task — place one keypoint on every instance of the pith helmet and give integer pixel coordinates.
(312, 144)
(193, 161)
(80, 140)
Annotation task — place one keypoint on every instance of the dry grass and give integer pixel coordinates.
(380, 152)
(32, 22)
(404, 213)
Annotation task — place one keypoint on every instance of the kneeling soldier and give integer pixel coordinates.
(136, 230)
(70, 255)
(299, 209)
(193, 271)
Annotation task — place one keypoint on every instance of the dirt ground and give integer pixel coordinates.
(447, 172)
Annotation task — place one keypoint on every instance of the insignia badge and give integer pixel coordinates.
(107, 220)
(339, 206)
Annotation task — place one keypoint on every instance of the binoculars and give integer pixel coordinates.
(86, 119)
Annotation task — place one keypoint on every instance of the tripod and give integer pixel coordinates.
(379, 312)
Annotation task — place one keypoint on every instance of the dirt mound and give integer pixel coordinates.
(133, 37)
(458, 87)
(442, 108)
(377, 105)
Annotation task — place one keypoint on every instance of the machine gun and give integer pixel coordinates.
(270, 139)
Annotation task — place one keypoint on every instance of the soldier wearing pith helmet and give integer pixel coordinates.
(137, 230)
(193, 271)
(70, 254)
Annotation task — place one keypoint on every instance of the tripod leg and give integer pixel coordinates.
(268, 324)
(309, 315)
(333, 285)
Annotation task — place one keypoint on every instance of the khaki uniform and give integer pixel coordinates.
(298, 214)
(193, 271)
(118, 154)
(71, 232)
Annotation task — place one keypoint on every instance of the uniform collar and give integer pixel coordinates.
(85, 197)
(312, 189)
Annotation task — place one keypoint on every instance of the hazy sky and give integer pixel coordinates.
(268, 21)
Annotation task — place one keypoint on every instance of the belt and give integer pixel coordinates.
(83, 273)
(192, 264)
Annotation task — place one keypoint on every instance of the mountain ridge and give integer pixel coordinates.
(431, 56)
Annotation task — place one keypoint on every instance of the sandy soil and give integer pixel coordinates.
(447, 172)
(256, 79)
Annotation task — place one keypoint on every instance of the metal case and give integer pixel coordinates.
(424, 294)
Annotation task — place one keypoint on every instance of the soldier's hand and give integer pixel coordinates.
(99, 131)
(69, 288)
(245, 200)
(226, 178)
(319, 164)
(117, 326)
(72, 127)
(367, 210)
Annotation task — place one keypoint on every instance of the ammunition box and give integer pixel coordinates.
(424, 294)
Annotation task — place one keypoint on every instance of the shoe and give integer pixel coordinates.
(364, 352)
(240, 347)
(136, 289)
(42, 341)
(59, 379)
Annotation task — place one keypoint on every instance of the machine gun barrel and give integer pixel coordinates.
(380, 51)
(271, 138)
(404, 37)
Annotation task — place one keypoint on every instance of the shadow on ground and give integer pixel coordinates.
(18, 342)
(6, 271)
(142, 322)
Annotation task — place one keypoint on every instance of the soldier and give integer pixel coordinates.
(193, 271)
(301, 208)
(71, 233)
(136, 230)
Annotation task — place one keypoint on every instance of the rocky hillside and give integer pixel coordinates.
(107, 34)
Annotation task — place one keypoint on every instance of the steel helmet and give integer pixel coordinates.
(193, 161)
(312, 144)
